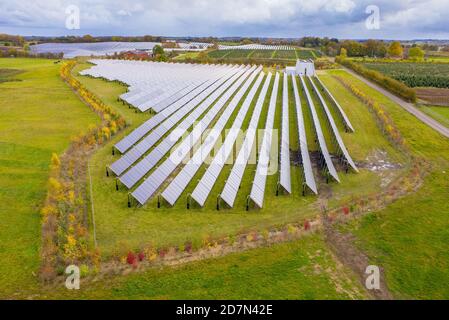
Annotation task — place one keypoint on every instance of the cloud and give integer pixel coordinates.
(282, 18)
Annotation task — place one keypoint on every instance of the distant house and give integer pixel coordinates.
(303, 68)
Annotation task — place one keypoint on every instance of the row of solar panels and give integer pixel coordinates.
(147, 149)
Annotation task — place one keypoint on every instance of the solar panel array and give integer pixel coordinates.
(154, 85)
(147, 189)
(168, 150)
(334, 128)
(180, 182)
(232, 184)
(132, 176)
(165, 126)
(199, 94)
(319, 134)
(205, 185)
(72, 50)
(255, 47)
(260, 178)
(309, 179)
(284, 173)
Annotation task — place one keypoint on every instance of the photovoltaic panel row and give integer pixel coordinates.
(339, 108)
(147, 189)
(305, 156)
(127, 142)
(319, 132)
(337, 135)
(234, 180)
(205, 185)
(137, 172)
(284, 172)
(137, 151)
(180, 182)
(260, 178)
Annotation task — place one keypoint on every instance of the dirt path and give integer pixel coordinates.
(407, 106)
(342, 245)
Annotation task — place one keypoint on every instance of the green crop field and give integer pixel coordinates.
(415, 74)
(265, 54)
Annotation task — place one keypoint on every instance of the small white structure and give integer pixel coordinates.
(302, 68)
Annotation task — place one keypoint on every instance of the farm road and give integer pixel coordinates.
(406, 105)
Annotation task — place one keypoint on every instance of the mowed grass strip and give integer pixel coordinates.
(39, 115)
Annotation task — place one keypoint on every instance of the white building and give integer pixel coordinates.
(303, 68)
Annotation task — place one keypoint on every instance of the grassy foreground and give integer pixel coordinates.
(300, 270)
(39, 114)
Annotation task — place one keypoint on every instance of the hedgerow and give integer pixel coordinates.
(65, 237)
(388, 83)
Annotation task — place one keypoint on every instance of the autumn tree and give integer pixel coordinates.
(416, 53)
(395, 50)
(343, 53)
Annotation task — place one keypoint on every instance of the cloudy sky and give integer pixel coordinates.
(399, 19)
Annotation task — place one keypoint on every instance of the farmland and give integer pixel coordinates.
(385, 235)
(280, 55)
(415, 74)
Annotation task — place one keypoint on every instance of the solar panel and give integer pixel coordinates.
(204, 187)
(147, 189)
(259, 182)
(342, 113)
(319, 132)
(180, 182)
(306, 163)
(284, 173)
(337, 135)
(130, 178)
(231, 187)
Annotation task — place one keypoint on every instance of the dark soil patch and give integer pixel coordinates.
(343, 245)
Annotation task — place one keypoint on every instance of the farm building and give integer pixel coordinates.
(302, 68)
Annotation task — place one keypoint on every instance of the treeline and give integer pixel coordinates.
(388, 83)
(14, 53)
(6, 39)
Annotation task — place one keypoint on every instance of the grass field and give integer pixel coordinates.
(131, 228)
(410, 238)
(305, 269)
(39, 114)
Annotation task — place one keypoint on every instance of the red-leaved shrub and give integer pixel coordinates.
(131, 258)
(306, 225)
(141, 256)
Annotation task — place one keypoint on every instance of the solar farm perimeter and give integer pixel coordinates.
(189, 167)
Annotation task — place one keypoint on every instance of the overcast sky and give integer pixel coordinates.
(399, 19)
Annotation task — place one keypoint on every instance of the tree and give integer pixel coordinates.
(416, 53)
(343, 53)
(158, 50)
(395, 50)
